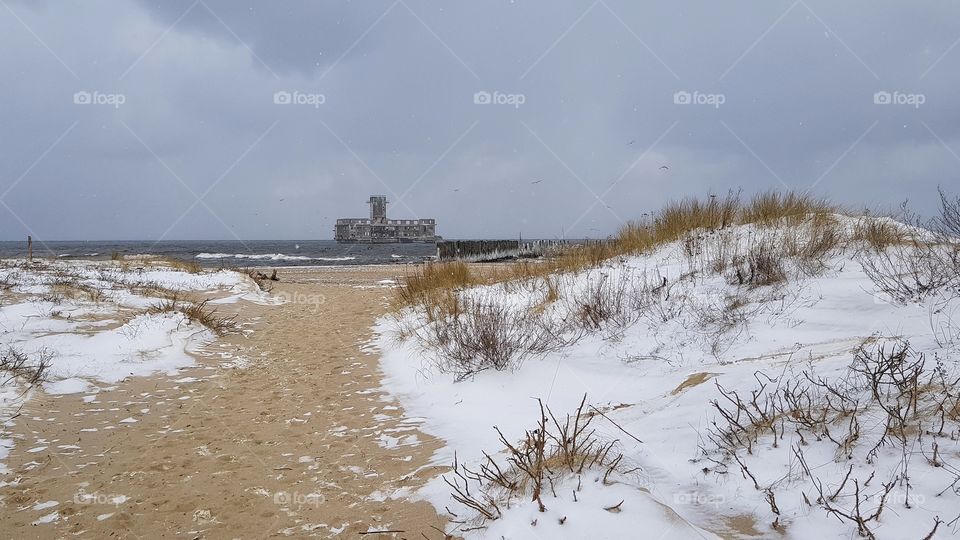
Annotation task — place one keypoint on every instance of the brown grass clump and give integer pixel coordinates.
(534, 466)
(435, 276)
(878, 234)
(677, 220)
(791, 208)
(198, 313)
(191, 267)
(760, 267)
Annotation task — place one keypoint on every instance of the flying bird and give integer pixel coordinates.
(664, 168)
(537, 181)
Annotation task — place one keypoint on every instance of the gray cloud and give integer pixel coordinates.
(398, 79)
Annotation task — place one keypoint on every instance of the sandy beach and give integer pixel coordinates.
(297, 442)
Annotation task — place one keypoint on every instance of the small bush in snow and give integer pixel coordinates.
(198, 313)
(911, 272)
(893, 403)
(16, 365)
(532, 467)
(759, 267)
(481, 335)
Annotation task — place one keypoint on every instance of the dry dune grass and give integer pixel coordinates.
(678, 219)
(805, 232)
(432, 279)
(878, 235)
(674, 222)
(791, 207)
(183, 266)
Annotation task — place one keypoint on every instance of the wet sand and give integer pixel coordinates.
(298, 443)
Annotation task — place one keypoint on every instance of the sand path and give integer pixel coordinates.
(299, 443)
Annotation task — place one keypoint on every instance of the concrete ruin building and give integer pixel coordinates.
(379, 230)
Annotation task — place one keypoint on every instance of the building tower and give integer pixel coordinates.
(378, 209)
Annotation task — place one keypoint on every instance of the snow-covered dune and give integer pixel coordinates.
(722, 376)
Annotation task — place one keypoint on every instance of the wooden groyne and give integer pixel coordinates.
(496, 250)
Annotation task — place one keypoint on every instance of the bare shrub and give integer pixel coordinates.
(470, 336)
(608, 302)
(811, 246)
(863, 512)
(16, 365)
(720, 319)
(918, 267)
(890, 386)
(659, 303)
(911, 272)
(545, 456)
(760, 266)
(9, 280)
(949, 220)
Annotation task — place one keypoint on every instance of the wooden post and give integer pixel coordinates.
(29, 248)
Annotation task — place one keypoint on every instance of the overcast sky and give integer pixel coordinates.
(135, 119)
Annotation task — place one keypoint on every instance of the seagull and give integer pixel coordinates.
(664, 168)
(631, 142)
(537, 181)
